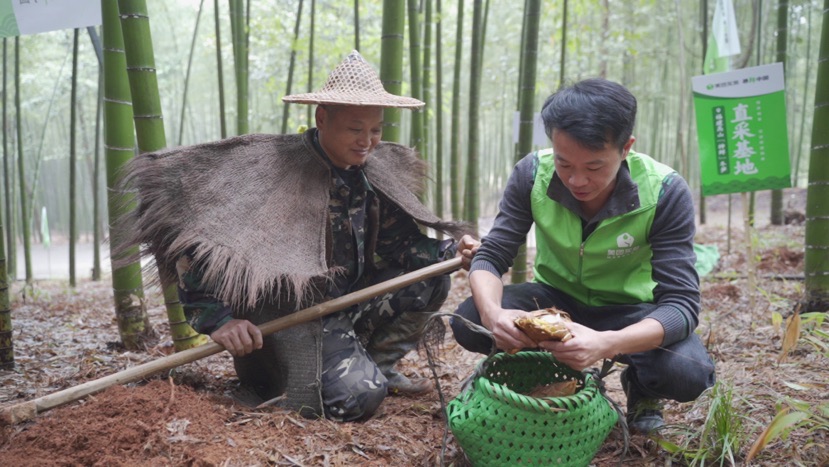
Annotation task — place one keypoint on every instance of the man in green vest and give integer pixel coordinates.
(614, 249)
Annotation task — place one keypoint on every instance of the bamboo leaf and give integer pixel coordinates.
(791, 336)
(781, 423)
(814, 317)
(799, 405)
(776, 320)
(669, 446)
(795, 386)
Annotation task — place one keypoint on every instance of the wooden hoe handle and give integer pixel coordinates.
(28, 410)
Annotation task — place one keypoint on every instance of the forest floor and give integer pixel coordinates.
(64, 337)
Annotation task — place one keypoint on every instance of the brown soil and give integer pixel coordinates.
(64, 337)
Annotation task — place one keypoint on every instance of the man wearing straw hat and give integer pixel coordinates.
(258, 226)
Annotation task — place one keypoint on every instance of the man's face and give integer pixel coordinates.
(589, 175)
(348, 134)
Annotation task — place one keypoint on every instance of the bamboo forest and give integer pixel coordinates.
(194, 270)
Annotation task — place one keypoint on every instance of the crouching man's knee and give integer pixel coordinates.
(357, 401)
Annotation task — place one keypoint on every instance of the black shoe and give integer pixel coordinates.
(644, 414)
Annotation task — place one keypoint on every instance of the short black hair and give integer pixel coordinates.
(594, 112)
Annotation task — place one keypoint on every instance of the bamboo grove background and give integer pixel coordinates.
(653, 47)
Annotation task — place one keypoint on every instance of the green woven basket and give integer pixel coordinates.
(495, 424)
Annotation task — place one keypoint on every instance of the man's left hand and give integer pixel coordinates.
(583, 350)
(589, 346)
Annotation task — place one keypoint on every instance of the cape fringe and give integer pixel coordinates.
(174, 208)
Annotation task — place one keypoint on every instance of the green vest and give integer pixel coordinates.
(613, 265)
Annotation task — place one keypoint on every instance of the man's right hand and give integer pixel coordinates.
(239, 336)
(508, 336)
(487, 291)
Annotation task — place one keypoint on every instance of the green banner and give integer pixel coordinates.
(724, 42)
(742, 131)
(8, 22)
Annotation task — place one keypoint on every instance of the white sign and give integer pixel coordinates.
(539, 136)
(21, 17)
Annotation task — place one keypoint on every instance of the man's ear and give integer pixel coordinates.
(626, 148)
(320, 116)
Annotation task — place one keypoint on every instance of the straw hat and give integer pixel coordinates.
(354, 82)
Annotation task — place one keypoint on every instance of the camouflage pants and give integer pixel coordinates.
(360, 345)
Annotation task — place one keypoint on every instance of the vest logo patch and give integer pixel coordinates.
(625, 240)
(625, 243)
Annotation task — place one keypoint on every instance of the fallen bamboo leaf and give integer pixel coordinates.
(239, 422)
(781, 422)
(271, 401)
(795, 386)
(791, 336)
(183, 439)
(359, 451)
(291, 459)
(295, 422)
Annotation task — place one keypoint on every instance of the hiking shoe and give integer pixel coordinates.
(400, 385)
(644, 414)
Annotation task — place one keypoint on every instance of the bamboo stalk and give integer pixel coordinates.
(391, 63)
(28, 410)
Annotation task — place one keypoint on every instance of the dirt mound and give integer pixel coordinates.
(162, 423)
(155, 424)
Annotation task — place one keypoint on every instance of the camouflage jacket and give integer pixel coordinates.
(363, 226)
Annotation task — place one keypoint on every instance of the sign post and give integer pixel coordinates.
(743, 138)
